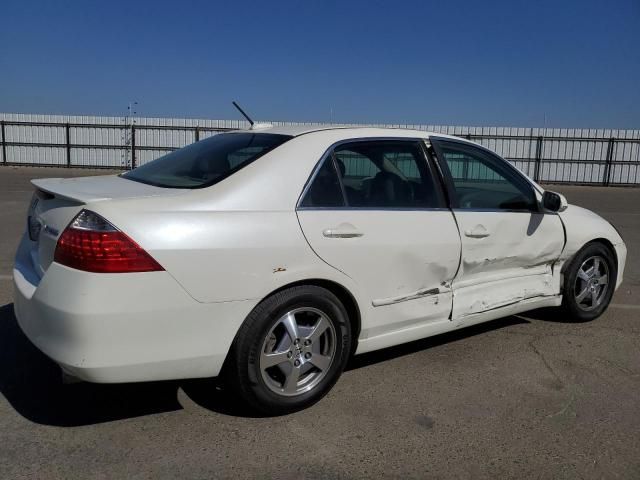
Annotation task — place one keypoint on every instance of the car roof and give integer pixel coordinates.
(348, 130)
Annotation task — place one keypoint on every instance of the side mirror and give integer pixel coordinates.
(554, 202)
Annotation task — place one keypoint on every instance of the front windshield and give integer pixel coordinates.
(207, 162)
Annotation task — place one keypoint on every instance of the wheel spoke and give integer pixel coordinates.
(291, 360)
(582, 295)
(291, 382)
(272, 359)
(583, 275)
(291, 325)
(591, 284)
(321, 325)
(320, 361)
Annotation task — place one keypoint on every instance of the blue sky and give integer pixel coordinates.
(504, 62)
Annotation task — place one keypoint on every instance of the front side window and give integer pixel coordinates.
(482, 181)
(205, 163)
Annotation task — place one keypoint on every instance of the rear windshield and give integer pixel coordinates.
(205, 163)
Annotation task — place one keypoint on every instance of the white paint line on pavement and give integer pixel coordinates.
(625, 306)
(6, 277)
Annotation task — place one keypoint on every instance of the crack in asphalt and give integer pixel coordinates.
(544, 360)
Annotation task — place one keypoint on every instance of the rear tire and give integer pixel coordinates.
(589, 283)
(290, 351)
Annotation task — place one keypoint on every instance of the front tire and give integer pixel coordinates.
(290, 351)
(589, 283)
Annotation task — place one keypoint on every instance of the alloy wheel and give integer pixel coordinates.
(298, 351)
(592, 283)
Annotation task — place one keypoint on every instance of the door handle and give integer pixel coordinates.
(342, 232)
(479, 231)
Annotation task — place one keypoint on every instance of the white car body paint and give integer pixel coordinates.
(507, 257)
(583, 226)
(225, 248)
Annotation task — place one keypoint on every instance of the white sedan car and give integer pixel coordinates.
(269, 256)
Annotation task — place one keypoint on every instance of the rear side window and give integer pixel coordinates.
(205, 163)
(374, 174)
(325, 190)
(386, 174)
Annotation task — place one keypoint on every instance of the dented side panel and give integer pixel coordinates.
(403, 260)
(511, 261)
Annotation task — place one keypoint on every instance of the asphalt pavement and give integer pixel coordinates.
(528, 396)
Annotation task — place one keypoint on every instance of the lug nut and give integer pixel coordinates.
(289, 354)
(297, 363)
(296, 341)
(307, 342)
(307, 355)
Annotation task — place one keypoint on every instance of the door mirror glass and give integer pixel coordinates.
(554, 202)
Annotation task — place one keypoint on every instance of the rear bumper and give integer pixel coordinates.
(110, 328)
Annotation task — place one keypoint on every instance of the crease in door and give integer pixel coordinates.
(408, 296)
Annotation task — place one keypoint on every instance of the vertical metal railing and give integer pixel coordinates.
(133, 146)
(67, 130)
(606, 176)
(538, 159)
(4, 147)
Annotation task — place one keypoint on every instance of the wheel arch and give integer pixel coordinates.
(601, 240)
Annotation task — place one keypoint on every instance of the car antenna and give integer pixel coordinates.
(243, 113)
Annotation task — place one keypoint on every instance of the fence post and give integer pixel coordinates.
(536, 170)
(68, 137)
(607, 166)
(197, 133)
(133, 146)
(4, 143)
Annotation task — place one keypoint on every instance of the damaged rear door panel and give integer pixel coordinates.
(509, 246)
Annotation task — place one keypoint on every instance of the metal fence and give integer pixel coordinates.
(580, 156)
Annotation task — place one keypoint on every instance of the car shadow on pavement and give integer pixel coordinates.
(383, 355)
(32, 383)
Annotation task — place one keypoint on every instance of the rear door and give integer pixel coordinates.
(508, 244)
(373, 211)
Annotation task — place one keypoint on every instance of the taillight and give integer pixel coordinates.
(92, 244)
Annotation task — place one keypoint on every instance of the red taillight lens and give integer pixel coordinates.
(101, 248)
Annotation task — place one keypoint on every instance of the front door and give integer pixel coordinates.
(508, 244)
(374, 212)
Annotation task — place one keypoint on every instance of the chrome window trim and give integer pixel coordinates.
(498, 210)
(329, 152)
(380, 209)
